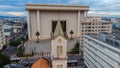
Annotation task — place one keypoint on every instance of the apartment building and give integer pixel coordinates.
(2, 37)
(102, 51)
(94, 25)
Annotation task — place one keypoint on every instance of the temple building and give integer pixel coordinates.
(43, 18)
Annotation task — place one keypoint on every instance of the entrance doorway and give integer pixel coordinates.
(63, 24)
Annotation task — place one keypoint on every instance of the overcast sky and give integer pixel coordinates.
(97, 7)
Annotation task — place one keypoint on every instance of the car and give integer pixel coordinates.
(13, 66)
(7, 66)
(25, 63)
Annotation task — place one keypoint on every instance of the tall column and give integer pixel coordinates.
(38, 21)
(28, 22)
(78, 23)
(85, 15)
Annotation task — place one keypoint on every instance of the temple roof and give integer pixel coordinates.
(41, 63)
(55, 7)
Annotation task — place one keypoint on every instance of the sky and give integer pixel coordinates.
(110, 8)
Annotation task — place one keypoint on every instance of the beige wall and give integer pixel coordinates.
(94, 25)
(60, 62)
(33, 24)
(46, 17)
(56, 43)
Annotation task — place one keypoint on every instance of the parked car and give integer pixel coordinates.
(25, 63)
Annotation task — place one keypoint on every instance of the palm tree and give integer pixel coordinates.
(37, 34)
(71, 32)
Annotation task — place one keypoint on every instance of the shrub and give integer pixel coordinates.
(20, 52)
(4, 59)
(15, 42)
(4, 46)
(75, 50)
(28, 55)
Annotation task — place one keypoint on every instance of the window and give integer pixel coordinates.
(57, 51)
(61, 50)
(63, 24)
(54, 23)
(59, 66)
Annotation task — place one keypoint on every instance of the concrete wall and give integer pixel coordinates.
(33, 24)
(46, 18)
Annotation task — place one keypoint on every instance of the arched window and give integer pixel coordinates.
(58, 51)
(61, 50)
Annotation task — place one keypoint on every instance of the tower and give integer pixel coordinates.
(59, 48)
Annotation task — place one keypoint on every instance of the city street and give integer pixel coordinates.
(10, 50)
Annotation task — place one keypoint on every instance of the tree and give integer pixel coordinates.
(4, 59)
(23, 39)
(71, 33)
(20, 52)
(75, 50)
(37, 34)
(15, 42)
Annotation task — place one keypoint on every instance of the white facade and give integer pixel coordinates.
(40, 18)
(59, 52)
(98, 54)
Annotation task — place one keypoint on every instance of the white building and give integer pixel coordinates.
(44, 17)
(116, 22)
(7, 29)
(100, 53)
(59, 49)
(94, 25)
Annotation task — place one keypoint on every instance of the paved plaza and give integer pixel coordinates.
(45, 46)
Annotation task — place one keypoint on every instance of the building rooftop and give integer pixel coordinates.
(108, 39)
(41, 63)
(55, 7)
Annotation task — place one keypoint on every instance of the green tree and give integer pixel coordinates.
(23, 39)
(15, 42)
(37, 34)
(4, 59)
(20, 52)
(75, 50)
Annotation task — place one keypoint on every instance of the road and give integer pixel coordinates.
(10, 50)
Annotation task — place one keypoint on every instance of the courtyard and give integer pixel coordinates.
(44, 46)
